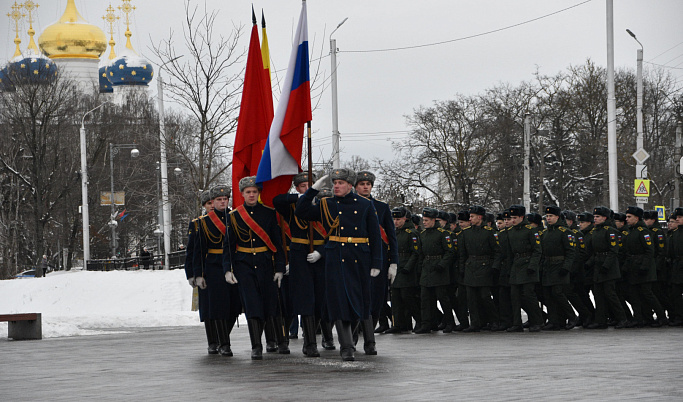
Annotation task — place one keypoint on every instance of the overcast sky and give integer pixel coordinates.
(377, 87)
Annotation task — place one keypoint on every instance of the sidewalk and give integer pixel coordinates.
(172, 364)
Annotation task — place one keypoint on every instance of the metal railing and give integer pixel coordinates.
(177, 260)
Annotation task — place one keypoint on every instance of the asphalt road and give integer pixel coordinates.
(171, 364)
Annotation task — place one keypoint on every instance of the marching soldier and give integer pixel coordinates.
(641, 270)
(306, 267)
(586, 226)
(676, 255)
(504, 296)
(437, 256)
(576, 276)
(353, 254)
(461, 310)
(524, 249)
(219, 302)
(380, 284)
(557, 243)
(479, 253)
(604, 261)
(405, 303)
(458, 300)
(257, 265)
(659, 288)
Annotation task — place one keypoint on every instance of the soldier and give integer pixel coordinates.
(365, 181)
(458, 300)
(437, 256)
(461, 310)
(524, 250)
(660, 287)
(585, 227)
(675, 251)
(557, 243)
(443, 221)
(219, 302)
(622, 286)
(306, 267)
(641, 270)
(504, 296)
(576, 276)
(353, 254)
(479, 254)
(405, 303)
(257, 265)
(604, 261)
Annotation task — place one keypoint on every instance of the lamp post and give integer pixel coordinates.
(84, 190)
(166, 207)
(113, 150)
(335, 117)
(640, 155)
(611, 113)
(527, 151)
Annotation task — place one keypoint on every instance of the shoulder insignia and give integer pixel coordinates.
(562, 229)
(625, 232)
(488, 228)
(423, 230)
(640, 228)
(655, 229)
(528, 226)
(233, 211)
(471, 226)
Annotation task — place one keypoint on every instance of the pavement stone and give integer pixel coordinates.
(172, 364)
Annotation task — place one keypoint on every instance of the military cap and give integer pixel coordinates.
(452, 217)
(365, 175)
(477, 209)
(490, 218)
(464, 215)
(620, 217)
(347, 175)
(571, 215)
(416, 220)
(677, 212)
(249, 181)
(517, 210)
(636, 211)
(553, 210)
(506, 214)
(602, 211)
(400, 212)
(219, 191)
(533, 217)
(302, 177)
(650, 215)
(443, 215)
(585, 217)
(499, 216)
(430, 212)
(324, 192)
(204, 197)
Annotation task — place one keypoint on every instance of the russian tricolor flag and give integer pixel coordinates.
(282, 154)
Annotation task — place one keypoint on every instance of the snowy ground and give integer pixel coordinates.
(76, 303)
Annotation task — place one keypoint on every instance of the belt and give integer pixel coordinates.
(555, 258)
(433, 257)
(353, 240)
(215, 251)
(252, 250)
(527, 254)
(306, 241)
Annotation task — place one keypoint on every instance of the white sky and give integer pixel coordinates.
(377, 89)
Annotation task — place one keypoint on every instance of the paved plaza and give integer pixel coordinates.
(171, 364)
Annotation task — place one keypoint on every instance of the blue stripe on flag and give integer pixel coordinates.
(301, 70)
(264, 168)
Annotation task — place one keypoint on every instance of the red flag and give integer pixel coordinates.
(256, 115)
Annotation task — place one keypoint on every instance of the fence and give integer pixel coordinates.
(176, 259)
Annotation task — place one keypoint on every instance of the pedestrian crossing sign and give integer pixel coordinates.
(661, 213)
(641, 188)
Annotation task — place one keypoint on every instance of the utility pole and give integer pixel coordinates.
(335, 113)
(526, 198)
(611, 113)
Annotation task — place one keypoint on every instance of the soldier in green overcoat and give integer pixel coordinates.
(675, 249)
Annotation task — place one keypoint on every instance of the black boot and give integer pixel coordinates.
(211, 336)
(345, 340)
(271, 335)
(368, 337)
(281, 336)
(224, 329)
(308, 326)
(328, 338)
(255, 331)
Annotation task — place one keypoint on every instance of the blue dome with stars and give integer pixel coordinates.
(33, 69)
(129, 69)
(105, 85)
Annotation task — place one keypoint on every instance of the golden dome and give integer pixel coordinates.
(72, 37)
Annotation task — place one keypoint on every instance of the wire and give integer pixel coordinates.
(662, 65)
(465, 37)
(672, 47)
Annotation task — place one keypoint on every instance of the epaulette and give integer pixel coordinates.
(562, 229)
(423, 230)
(640, 228)
(528, 226)
(655, 229)
(487, 228)
(233, 211)
(409, 230)
(591, 231)
(441, 229)
(471, 226)
(540, 232)
(625, 232)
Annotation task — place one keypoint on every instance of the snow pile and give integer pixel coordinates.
(86, 303)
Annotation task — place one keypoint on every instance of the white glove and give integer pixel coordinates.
(313, 257)
(392, 272)
(278, 278)
(200, 282)
(320, 183)
(287, 269)
(230, 278)
(191, 282)
(374, 272)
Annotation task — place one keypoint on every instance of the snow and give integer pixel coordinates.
(75, 303)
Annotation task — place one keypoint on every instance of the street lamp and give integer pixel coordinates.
(335, 117)
(84, 190)
(166, 207)
(113, 150)
(640, 155)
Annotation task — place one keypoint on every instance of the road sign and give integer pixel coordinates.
(641, 188)
(641, 200)
(119, 198)
(661, 213)
(641, 156)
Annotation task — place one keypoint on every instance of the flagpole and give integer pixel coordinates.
(310, 180)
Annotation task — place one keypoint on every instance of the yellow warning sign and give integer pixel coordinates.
(641, 188)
